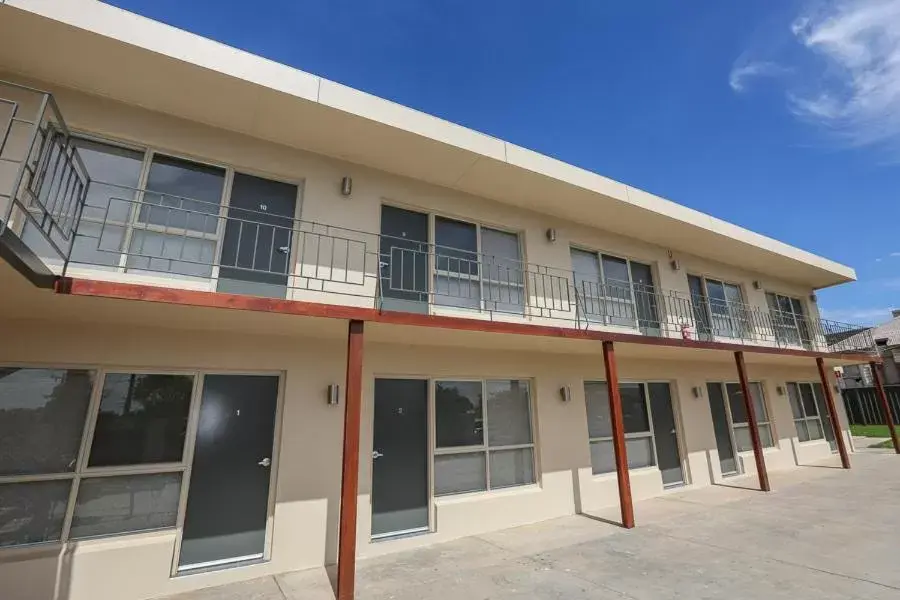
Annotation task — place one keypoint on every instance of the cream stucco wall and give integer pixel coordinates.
(308, 478)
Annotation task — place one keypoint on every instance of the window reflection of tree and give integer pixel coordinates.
(39, 434)
(459, 414)
(142, 419)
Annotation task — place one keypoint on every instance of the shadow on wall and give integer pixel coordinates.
(37, 574)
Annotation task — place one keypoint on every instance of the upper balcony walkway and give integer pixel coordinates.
(58, 223)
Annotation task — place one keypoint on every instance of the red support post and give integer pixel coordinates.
(618, 432)
(346, 567)
(885, 405)
(832, 412)
(752, 423)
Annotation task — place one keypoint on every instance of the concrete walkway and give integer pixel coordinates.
(823, 533)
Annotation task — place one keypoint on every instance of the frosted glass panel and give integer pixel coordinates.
(512, 467)
(509, 415)
(457, 473)
(108, 505)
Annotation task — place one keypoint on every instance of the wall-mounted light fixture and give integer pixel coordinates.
(813, 298)
(779, 390)
(697, 391)
(757, 284)
(334, 394)
(346, 186)
(676, 266)
(565, 393)
(551, 235)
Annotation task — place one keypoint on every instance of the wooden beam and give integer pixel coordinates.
(752, 423)
(885, 405)
(346, 572)
(148, 293)
(618, 432)
(832, 412)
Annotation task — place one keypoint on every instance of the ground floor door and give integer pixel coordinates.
(724, 441)
(668, 454)
(228, 496)
(256, 248)
(400, 458)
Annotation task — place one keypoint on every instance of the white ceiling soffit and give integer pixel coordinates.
(100, 49)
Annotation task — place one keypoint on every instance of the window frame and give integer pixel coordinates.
(604, 317)
(742, 326)
(806, 418)
(484, 449)
(746, 425)
(132, 224)
(631, 436)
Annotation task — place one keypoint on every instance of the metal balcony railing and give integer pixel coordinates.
(146, 232)
(112, 231)
(43, 182)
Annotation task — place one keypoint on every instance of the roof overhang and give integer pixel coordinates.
(103, 50)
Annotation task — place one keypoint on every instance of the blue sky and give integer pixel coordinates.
(778, 116)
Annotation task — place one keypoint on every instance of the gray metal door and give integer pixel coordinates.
(228, 498)
(724, 443)
(668, 454)
(400, 457)
(404, 260)
(256, 248)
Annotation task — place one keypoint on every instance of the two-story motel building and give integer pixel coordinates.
(254, 321)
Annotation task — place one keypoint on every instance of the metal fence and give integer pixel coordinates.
(864, 408)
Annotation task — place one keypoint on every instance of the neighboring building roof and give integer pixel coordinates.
(100, 49)
(889, 331)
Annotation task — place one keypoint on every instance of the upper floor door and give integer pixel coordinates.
(256, 247)
(403, 260)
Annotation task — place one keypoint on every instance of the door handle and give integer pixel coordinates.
(265, 462)
(284, 249)
(376, 454)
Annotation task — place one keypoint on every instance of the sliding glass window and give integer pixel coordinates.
(477, 267)
(176, 228)
(805, 408)
(789, 320)
(737, 413)
(639, 441)
(614, 290)
(83, 459)
(719, 308)
(483, 435)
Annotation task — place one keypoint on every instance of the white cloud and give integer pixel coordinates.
(742, 71)
(844, 62)
(877, 260)
(895, 254)
(857, 89)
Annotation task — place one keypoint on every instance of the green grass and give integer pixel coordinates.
(872, 430)
(884, 444)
